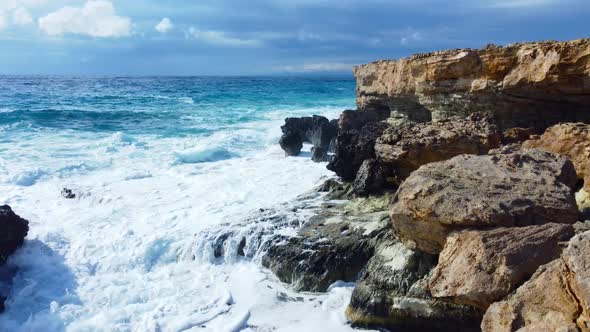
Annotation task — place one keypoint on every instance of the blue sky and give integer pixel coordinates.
(250, 37)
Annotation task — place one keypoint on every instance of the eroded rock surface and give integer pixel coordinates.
(392, 293)
(407, 147)
(528, 187)
(482, 267)
(571, 140)
(316, 130)
(521, 85)
(557, 297)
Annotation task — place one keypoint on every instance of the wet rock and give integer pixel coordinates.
(571, 140)
(529, 187)
(353, 147)
(556, 298)
(521, 85)
(319, 155)
(13, 230)
(392, 294)
(407, 147)
(68, 193)
(317, 130)
(333, 245)
(481, 267)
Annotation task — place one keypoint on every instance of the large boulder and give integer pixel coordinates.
(521, 85)
(482, 267)
(13, 230)
(317, 130)
(571, 140)
(392, 294)
(557, 298)
(353, 147)
(407, 147)
(528, 187)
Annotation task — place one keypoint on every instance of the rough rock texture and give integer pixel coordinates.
(392, 294)
(520, 85)
(353, 147)
(482, 267)
(529, 187)
(333, 245)
(583, 201)
(518, 135)
(571, 140)
(316, 130)
(407, 147)
(352, 119)
(370, 178)
(13, 230)
(557, 298)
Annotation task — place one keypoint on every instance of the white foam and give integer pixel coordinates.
(112, 259)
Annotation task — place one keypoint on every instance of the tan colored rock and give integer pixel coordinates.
(409, 146)
(555, 299)
(571, 140)
(481, 267)
(528, 187)
(522, 85)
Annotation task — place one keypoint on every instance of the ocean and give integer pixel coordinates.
(155, 162)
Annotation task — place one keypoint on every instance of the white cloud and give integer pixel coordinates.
(97, 18)
(411, 37)
(317, 67)
(21, 16)
(164, 26)
(2, 21)
(220, 38)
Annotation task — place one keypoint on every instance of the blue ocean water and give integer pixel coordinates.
(154, 161)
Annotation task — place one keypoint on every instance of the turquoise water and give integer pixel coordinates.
(155, 162)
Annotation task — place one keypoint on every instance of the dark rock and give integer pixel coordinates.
(317, 130)
(517, 135)
(353, 147)
(354, 120)
(392, 293)
(13, 230)
(319, 155)
(334, 245)
(372, 178)
(68, 193)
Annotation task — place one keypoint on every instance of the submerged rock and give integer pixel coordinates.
(317, 130)
(556, 298)
(392, 294)
(407, 147)
(571, 140)
(528, 187)
(68, 193)
(481, 267)
(521, 85)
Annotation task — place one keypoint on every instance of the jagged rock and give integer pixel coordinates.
(335, 244)
(68, 193)
(354, 120)
(521, 85)
(556, 298)
(583, 201)
(407, 147)
(319, 155)
(353, 147)
(571, 140)
(370, 178)
(13, 230)
(316, 130)
(392, 294)
(481, 267)
(529, 187)
(517, 135)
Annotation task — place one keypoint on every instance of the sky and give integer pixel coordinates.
(262, 37)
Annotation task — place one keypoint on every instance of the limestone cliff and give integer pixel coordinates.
(525, 84)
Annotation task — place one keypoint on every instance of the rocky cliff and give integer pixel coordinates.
(520, 85)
